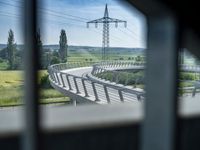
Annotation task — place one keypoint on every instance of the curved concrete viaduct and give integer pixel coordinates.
(82, 85)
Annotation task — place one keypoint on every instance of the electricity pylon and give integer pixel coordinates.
(106, 20)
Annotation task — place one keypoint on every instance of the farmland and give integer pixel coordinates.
(11, 89)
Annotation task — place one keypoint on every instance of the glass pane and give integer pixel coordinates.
(189, 76)
(94, 52)
(11, 53)
(11, 69)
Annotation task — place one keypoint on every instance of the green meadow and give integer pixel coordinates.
(11, 90)
(11, 82)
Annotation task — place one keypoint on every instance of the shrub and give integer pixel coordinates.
(17, 64)
(1, 60)
(55, 60)
(44, 81)
(187, 76)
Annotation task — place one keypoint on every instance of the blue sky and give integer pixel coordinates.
(72, 16)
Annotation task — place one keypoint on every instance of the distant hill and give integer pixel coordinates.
(2, 46)
(86, 48)
(93, 49)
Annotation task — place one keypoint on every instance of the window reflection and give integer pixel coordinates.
(189, 76)
(89, 43)
(11, 54)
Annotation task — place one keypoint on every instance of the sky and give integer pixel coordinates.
(72, 15)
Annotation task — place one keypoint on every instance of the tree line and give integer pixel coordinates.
(13, 56)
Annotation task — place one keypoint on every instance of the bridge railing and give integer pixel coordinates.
(190, 68)
(114, 69)
(88, 88)
(106, 70)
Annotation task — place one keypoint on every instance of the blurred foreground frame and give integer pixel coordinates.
(162, 127)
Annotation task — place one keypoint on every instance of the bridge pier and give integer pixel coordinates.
(73, 101)
(196, 86)
(194, 92)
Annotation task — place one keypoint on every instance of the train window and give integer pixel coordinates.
(96, 52)
(189, 76)
(94, 55)
(11, 65)
(11, 54)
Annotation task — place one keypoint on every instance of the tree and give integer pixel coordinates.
(55, 60)
(43, 64)
(63, 46)
(11, 48)
(38, 40)
(138, 58)
(4, 53)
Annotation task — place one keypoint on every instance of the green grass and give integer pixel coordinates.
(49, 93)
(14, 96)
(183, 84)
(15, 78)
(11, 79)
(11, 89)
(75, 56)
(3, 66)
(11, 82)
(141, 86)
(10, 96)
(55, 100)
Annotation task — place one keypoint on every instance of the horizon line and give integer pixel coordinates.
(84, 46)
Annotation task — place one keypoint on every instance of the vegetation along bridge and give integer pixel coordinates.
(86, 83)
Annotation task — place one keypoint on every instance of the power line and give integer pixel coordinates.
(115, 37)
(8, 4)
(18, 1)
(58, 22)
(80, 18)
(132, 24)
(7, 15)
(64, 14)
(51, 12)
(62, 23)
(54, 13)
(106, 20)
(48, 11)
(64, 17)
(98, 32)
(127, 34)
(10, 16)
(14, 15)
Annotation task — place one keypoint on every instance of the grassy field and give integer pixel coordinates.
(11, 79)
(11, 82)
(11, 89)
(97, 57)
(89, 55)
(3, 65)
(183, 84)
